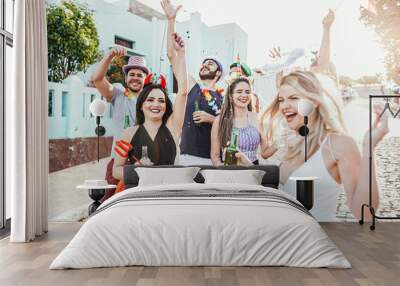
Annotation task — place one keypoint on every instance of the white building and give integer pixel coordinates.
(143, 29)
(223, 42)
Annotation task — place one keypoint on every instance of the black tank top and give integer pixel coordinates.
(161, 151)
(196, 139)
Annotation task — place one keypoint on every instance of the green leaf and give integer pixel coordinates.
(73, 43)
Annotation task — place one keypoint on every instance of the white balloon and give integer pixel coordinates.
(305, 107)
(98, 107)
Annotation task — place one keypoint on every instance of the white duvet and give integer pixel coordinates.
(203, 231)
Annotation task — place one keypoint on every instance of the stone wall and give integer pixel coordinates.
(66, 153)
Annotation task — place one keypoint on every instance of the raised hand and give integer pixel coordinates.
(202, 117)
(275, 53)
(170, 10)
(118, 51)
(328, 19)
(178, 43)
(380, 128)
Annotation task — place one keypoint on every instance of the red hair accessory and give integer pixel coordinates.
(156, 79)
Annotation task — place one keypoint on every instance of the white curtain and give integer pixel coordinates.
(27, 140)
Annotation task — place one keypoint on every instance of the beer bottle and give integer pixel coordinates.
(126, 122)
(145, 160)
(230, 158)
(197, 108)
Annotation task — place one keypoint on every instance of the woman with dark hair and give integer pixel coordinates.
(158, 123)
(236, 113)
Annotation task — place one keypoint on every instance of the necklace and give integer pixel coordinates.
(211, 100)
(129, 94)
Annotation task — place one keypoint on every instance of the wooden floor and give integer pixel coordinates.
(375, 257)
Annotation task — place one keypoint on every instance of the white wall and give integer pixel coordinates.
(223, 42)
(78, 122)
(265, 87)
(111, 21)
(227, 41)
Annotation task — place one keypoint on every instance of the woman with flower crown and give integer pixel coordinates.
(158, 123)
(236, 114)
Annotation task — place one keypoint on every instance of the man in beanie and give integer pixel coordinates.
(203, 104)
(123, 101)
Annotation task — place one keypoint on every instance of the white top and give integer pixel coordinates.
(326, 189)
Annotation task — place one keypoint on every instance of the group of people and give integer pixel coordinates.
(202, 117)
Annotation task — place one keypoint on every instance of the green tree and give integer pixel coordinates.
(73, 43)
(384, 18)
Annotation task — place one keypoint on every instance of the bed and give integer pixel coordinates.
(198, 224)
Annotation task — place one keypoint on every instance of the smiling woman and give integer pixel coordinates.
(158, 123)
(236, 115)
(334, 155)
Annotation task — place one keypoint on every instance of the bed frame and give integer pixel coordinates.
(270, 179)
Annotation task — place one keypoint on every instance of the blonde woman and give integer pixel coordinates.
(333, 156)
(236, 113)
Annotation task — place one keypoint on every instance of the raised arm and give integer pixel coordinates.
(178, 62)
(354, 168)
(99, 76)
(267, 149)
(215, 145)
(170, 12)
(324, 55)
(275, 54)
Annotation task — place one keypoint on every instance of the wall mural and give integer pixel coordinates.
(189, 97)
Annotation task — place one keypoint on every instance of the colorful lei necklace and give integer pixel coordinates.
(128, 93)
(211, 101)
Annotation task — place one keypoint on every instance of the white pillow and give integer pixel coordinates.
(248, 177)
(163, 176)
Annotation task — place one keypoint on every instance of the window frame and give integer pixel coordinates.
(51, 96)
(64, 103)
(6, 40)
(124, 42)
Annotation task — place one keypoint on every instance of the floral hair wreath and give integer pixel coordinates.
(237, 75)
(156, 80)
